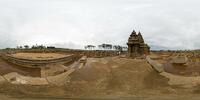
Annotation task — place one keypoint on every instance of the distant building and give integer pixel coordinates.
(137, 46)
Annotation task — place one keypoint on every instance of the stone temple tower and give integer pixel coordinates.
(137, 46)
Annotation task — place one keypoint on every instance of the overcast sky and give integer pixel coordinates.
(165, 24)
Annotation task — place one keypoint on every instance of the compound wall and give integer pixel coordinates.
(78, 53)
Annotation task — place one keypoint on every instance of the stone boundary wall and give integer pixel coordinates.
(156, 65)
(37, 63)
(76, 52)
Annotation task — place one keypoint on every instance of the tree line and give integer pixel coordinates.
(87, 47)
(35, 47)
(106, 47)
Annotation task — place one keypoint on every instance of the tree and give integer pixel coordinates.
(90, 47)
(100, 47)
(108, 46)
(118, 48)
(105, 46)
(20, 47)
(51, 47)
(26, 46)
(38, 47)
(124, 48)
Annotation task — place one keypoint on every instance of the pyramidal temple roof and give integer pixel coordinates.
(136, 38)
(133, 33)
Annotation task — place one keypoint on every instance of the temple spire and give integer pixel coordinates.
(139, 33)
(140, 37)
(133, 33)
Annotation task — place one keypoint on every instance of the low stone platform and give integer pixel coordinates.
(49, 64)
(57, 80)
(37, 63)
(38, 56)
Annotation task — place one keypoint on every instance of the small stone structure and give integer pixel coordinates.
(137, 46)
(180, 60)
(48, 67)
(56, 80)
(82, 61)
(156, 65)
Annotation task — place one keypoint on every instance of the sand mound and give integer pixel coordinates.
(103, 77)
(115, 76)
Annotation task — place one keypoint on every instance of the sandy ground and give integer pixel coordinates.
(106, 78)
(40, 56)
(6, 67)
